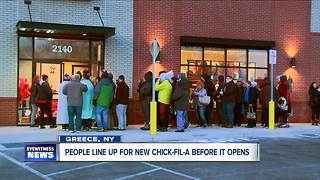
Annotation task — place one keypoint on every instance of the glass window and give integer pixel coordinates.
(258, 58)
(96, 51)
(25, 81)
(192, 72)
(237, 73)
(190, 55)
(25, 47)
(237, 57)
(214, 56)
(214, 72)
(63, 49)
(256, 74)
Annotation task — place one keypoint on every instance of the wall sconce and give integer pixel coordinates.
(293, 62)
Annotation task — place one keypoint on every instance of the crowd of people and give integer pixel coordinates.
(83, 101)
(234, 101)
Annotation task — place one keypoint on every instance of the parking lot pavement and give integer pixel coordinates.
(282, 157)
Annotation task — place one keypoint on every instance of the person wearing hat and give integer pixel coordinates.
(62, 112)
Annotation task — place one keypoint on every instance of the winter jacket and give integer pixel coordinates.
(200, 93)
(145, 90)
(122, 94)
(230, 92)
(180, 96)
(165, 90)
(264, 96)
(104, 92)
(44, 92)
(314, 97)
(34, 93)
(74, 91)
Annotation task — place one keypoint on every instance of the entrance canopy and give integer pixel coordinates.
(27, 28)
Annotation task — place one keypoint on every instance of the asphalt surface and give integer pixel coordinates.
(281, 158)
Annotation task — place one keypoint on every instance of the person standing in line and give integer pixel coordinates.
(121, 102)
(33, 99)
(264, 98)
(164, 87)
(208, 85)
(218, 98)
(103, 93)
(314, 102)
(251, 96)
(62, 113)
(73, 91)
(284, 102)
(145, 96)
(87, 106)
(113, 119)
(200, 91)
(229, 96)
(238, 116)
(180, 100)
(44, 100)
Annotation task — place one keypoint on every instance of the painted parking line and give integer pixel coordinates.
(78, 168)
(139, 174)
(170, 171)
(24, 166)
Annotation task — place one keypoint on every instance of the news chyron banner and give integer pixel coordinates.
(110, 148)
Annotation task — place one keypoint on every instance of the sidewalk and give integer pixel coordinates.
(15, 134)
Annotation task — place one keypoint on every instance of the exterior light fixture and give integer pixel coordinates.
(293, 62)
(97, 8)
(28, 3)
(84, 34)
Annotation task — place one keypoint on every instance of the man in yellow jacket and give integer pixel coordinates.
(164, 87)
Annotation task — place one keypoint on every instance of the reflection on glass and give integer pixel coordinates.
(214, 72)
(25, 81)
(236, 57)
(190, 53)
(192, 72)
(96, 51)
(25, 47)
(214, 56)
(256, 74)
(237, 73)
(258, 58)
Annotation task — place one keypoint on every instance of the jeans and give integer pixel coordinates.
(228, 111)
(181, 119)
(102, 123)
(34, 111)
(265, 116)
(74, 111)
(122, 115)
(201, 115)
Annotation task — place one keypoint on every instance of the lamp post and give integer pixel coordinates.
(155, 50)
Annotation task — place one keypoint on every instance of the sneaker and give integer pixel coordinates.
(32, 125)
(188, 126)
(100, 130)
(72, 131)
(42, 127)
(163, 129)
(199, 125)
(76, 131)
(179, 130)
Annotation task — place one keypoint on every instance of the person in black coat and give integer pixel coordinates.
(145, 96)
(314, 102)
(180, 101)
(44, 100)
(250, 101)
(238, 116)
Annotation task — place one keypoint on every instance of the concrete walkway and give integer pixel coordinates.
(15, 134)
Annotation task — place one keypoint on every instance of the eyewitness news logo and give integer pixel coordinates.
(40, 152)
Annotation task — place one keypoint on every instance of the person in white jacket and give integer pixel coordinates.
(62, 113)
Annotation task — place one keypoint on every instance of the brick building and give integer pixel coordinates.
(213, 37)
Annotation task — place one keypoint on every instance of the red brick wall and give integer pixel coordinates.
(285, 22)
(8, 111)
